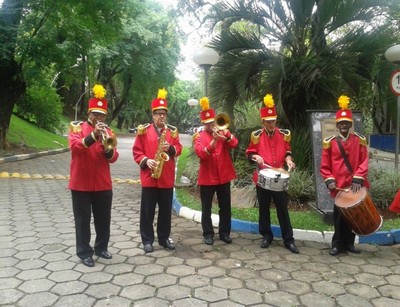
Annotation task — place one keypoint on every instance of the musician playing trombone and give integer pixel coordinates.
(213, 145)
(92, 145)
(341, 171)
(270, 147)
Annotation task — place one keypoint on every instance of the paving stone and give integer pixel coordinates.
(9, 283)
(212, 271)
(101, 291)
(189, 302)
(328, 288)
(66, 275)
(38, 299)
(211, 293)
(227, 282)
(33, 274)
(10, 296)
(161, 280)
(149, 269)
(175, 292)
(374, 281)
(114, 301)
(76, 300)
(69, 287)
(352, 300)
(153, 302)
(390, 291)
(281, 298)
(180, 270)
(316, 300)
(362, 290)
(261, 285)
(37, 285)
(128, 279)
(245, 296)
(138, 292)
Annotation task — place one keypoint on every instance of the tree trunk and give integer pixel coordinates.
(12, 84)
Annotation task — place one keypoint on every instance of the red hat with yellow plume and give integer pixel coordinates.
(160, 103)
(344, 113)
(207, 114)
(269, 111)
(98, 103)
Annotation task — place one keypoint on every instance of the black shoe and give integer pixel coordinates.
(104, 254)
(293, 248)
(88, 261)
(265, 243)
(227, 239)
(209, 240)
(353, 250)
(148, 248)
(334, 251)
(168, 244)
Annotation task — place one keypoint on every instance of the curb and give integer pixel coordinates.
(32, 155)
(378, 238)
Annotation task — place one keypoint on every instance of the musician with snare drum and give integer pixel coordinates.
(270, 148)
(344, 167)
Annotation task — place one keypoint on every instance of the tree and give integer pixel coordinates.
(37, 31)
(306, 53)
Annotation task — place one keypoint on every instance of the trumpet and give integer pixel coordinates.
(108, 139)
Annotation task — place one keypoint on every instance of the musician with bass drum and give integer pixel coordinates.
(155, 148)
(344, 165)
(270, 149)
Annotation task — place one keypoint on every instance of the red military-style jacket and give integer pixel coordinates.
(333, 167)
(216, 165)
(145, 147)
(90, 165)
(273, 148)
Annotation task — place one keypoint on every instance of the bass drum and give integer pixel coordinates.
(359, 211)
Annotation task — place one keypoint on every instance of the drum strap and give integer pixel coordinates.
(344, 155)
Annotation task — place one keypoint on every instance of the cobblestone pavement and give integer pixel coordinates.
(38, 265)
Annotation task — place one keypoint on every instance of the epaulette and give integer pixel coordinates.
(174, 131)
(195, 136)
(326, 143)
(286, 134)
(141, 129)
(255, 136)
(363, 139)
(75, 126)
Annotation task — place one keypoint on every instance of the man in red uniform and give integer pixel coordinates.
(215, 173)
(270, 147)
(155, 148)
(337, 175)
(90, 179)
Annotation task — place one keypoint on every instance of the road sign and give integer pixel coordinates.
(395, 82)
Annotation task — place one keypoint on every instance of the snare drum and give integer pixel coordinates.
(273, 180)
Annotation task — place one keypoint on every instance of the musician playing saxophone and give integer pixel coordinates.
(155, 148)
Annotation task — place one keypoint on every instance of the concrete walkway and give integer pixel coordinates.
(38, 265)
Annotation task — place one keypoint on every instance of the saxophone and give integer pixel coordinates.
(161, 156)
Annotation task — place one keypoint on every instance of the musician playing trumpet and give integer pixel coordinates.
(155, 148)
(341, 174)
(213, 146)
(90, 179)
(270, 147)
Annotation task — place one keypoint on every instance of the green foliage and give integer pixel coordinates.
(301, 187)
(24, 134)
(301, 147)
(41, 105)
(385, 182)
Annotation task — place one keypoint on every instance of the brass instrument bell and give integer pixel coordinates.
(222, 121)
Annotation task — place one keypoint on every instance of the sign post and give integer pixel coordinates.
(395, 87)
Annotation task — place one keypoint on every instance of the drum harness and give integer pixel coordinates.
(346, 160)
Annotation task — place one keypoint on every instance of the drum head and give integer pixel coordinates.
(348, 199)
(270, 173)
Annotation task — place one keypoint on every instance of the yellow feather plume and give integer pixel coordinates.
(269, 101)
(344, 102)
(99, 91)
(162, 93)
(204, 103)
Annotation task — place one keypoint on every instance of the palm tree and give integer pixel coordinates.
(306, 53)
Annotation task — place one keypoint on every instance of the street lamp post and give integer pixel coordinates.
(206, 57)
(392, 54)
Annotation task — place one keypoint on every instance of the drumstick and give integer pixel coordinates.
(273, 168)
(340, 189)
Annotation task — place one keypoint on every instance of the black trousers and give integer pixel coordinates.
(150, 198)
(281, 201)
(224, 203)
(83, 204)
(343, 235)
